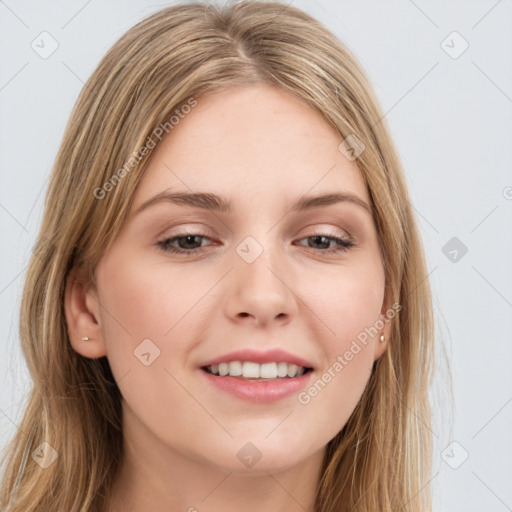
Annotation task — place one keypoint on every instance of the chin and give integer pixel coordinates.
(249, 459)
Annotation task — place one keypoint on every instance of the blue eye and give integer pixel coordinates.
(185, 239)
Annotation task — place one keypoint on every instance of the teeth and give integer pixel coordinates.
(292, 370)
(235, 368)
(268, 371)
(251, 370)
(282, 369)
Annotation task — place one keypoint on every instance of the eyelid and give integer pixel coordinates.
(206, 232)
(343, 243)
(185, 228)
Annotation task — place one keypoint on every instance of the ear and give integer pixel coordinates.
(387, 314)
(82, 310)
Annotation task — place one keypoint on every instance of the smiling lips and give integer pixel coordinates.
(254, 364)
(255, 376)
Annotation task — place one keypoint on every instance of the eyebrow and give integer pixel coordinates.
(213, 202)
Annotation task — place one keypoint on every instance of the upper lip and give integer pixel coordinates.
(258, 356)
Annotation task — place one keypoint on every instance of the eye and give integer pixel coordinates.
(184, 240)
(190, 243)
(341, 244)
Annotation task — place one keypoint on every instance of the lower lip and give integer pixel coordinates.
(259, 391)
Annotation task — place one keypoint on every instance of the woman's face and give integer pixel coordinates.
(259, 277)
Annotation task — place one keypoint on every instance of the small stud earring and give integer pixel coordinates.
(382, 338)
(85, 338)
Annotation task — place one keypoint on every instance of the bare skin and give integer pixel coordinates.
(262, 149)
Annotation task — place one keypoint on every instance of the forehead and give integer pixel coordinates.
(247, 142)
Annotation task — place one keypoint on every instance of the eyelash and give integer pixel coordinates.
(164, 244)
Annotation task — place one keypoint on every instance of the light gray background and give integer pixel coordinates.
(451, 119)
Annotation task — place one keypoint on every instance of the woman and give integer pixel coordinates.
(283, 362)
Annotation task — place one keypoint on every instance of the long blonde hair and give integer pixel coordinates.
(381, 459)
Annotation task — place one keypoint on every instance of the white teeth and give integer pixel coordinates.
(268, 371)
(235, 368)
(292, 370)
(282, 369)
(251, 370)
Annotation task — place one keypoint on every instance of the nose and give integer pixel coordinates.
(261, 291)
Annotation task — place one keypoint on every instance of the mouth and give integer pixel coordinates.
(256, 372)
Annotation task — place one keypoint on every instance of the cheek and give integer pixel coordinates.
(348, 303)
(147, 300)
(347, 300)
(150, 323)
(336, 390)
